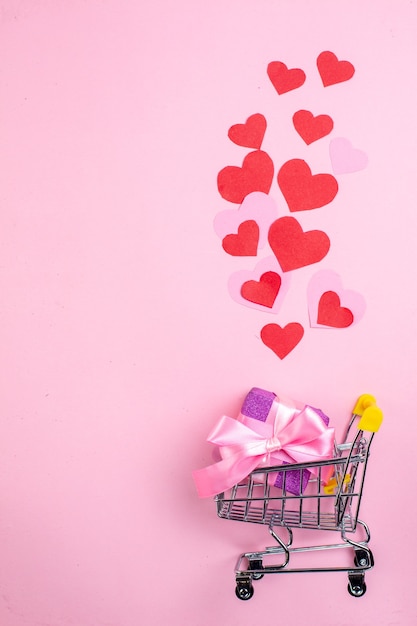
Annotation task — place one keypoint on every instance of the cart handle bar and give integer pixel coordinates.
(370, 414)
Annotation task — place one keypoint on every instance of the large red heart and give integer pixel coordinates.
(251, 133)
(264, 291)
(285, 79)
(295, 248)
(330, 313)
(303, 190)
(282, 340)
(245, 242)
(332, 70)
(311, 128)
(256, 173)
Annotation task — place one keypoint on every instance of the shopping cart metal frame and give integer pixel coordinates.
(327, 504)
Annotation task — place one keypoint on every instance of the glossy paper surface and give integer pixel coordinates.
(121, 345)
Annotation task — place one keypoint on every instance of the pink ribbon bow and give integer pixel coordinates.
(296, 437)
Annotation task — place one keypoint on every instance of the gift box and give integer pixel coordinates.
(269, 430)
(264, 406)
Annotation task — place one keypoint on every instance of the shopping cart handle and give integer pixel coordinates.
(371, 419)
(363, 402)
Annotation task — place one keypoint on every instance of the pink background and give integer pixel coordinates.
(120, 344)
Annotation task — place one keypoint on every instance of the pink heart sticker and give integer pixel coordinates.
(345, 158)
(257, 206)
(263, 288)
(329, 302)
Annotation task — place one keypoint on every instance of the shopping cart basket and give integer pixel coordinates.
(330, 501)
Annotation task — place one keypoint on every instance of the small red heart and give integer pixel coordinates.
(330, 313)
(264, 291)
(245, 242)
(251, 133)
(256, 173)
(285, 79)
(311, 128)
(295, 248)
(332, 70)
(282, 340)
(303, 190)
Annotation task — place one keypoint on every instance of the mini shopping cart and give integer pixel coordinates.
(329, 501)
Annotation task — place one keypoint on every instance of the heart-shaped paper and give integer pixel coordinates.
(330, 312)
(256, 206)
(321, 312)
(332, 70)
(282, 340)
(345, 158)
(263, 291)
(310, 127)
(235, 183)
(295, 248)
(262, 284)
(245, 242)
(251, 133)
(285, 79)
(302, 190)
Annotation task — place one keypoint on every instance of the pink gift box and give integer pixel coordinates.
(269, 431)
(263, 406)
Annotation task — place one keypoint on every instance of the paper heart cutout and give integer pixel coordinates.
(295, 248)
(235, 183)
(326, 281)
(332, 70)
(245, 242)
(251, 133)
(285, 79)
(265, 266)
(282, 340)
(302, 190)
(256, 206)
(345, 158)
(330, 312)
(310, 127)
(263, 291)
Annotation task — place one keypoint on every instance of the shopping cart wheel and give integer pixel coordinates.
(357, 585)
(256, 564)
(363, 558)
(244, 590)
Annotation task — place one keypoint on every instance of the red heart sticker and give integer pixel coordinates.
(285, 79)
(264, 291)
(256, 173)
(332, 70)
(251, 133)
(330, 313)
(295, 248)
(302, 190)
(245, 242)
(311, 128)
(282, 340)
